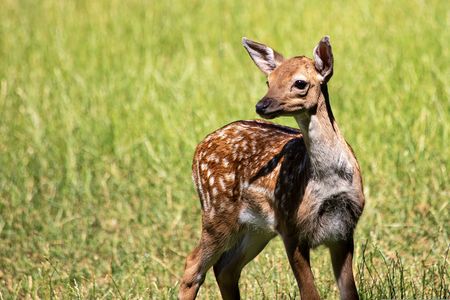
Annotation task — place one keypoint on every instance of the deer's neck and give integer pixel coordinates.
(327, 149)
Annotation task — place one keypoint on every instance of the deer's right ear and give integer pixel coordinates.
(264, 57)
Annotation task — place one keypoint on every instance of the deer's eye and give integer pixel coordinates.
(267, 83)
(300, 84)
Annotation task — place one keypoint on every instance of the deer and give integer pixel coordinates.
(257, 180)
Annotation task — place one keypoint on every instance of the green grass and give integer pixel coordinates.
(103, 102)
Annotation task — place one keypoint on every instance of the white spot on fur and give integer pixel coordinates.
(199, 185)
(229, 177)
(211, 180)
(253, 145)
(225, 162)
(222, 183)
(214, 192)
(206, 203)
(213, 158)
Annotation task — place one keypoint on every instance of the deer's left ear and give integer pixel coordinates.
(323, 58)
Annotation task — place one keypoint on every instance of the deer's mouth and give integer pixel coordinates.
(270, 115)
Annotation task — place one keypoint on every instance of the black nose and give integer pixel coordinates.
(262, 105)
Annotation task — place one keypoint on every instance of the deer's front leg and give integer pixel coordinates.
(298, 255)
(341, 257)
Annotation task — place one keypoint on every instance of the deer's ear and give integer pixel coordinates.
(323, 58)
(264, 57)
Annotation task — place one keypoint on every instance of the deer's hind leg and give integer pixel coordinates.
(228, 268)
(198, 262)
(217, 236)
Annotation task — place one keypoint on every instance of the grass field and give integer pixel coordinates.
(103, 102)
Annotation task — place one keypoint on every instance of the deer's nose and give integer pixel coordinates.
(262, 105)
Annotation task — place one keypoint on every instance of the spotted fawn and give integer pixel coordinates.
(257, 180)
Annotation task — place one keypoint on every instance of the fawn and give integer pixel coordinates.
(256, 179)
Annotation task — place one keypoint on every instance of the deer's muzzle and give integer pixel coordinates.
(267, 108)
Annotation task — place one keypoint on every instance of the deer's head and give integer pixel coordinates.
(294, 84)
